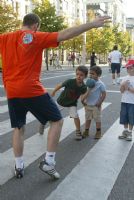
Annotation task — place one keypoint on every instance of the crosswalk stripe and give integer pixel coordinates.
(97, 172)
(33, 152)
(5, 126)
(3, 99)
(3, 109)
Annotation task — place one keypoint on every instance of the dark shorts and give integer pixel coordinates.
(127, 114)
(42, 107)
(115, 67)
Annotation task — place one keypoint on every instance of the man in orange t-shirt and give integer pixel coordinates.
(21, 53)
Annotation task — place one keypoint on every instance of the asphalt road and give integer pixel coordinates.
(37, 186)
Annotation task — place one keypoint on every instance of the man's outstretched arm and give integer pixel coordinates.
(77, 30)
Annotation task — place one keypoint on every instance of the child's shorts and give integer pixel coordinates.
(92, 112)
(73, 113)
(42, 107)
(127, 114)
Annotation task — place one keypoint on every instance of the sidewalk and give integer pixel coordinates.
(65, 67)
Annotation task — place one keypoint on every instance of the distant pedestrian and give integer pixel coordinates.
(115, 59)
(92, 101)
(73, 59)
(69, 59)
(73, 89)
(93, 59)
(127, 102)
(51, 59)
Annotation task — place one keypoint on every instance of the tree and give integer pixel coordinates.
(50, 22)
(123, 40)
(9, 19)
(102, 40)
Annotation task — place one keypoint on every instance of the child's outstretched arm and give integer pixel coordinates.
(58, 87)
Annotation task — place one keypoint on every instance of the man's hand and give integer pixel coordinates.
(101, 21)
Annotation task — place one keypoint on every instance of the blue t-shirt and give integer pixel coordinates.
(95, 93)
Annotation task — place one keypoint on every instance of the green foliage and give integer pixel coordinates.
(74, 44)
(102, 40)
(50, 22)
(8, 19)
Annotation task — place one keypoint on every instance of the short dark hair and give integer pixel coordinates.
(97, 70)
(31, 19)
(115, 47)
(83, 69)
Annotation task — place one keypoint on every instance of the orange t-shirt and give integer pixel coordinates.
(21, 53)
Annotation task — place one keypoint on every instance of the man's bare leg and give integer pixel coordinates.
(48, 164)
(54, 135)
(18, 141)
(18, 145)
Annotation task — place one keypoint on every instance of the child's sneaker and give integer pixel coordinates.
(19, 173)
(78, 135)
(123, 135)
(85, 134)
(49, 169)
(97, 135)
(129, 136)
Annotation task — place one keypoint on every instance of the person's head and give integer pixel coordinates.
(115, 47)
(93, 53)
(130, 67)
(31, 21)
(95, 72)
(81, 73)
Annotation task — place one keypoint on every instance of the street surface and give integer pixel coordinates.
(90, 169)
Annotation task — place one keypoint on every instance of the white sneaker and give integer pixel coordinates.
(114, 82)
(49, 169)
(118, 81)
(123, 135)
(129, 136)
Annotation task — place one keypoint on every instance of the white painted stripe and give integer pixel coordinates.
(5, 126)
(3, 98)
(34, 147)
(52, 77)
(57, 76)
(3, 109)
(93, 178)
(113, 91)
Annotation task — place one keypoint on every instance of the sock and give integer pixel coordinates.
(19, 162)
(125, 129)
(87, 129)
(50, 158)
(98, 129)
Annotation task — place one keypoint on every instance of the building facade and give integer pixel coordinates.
(130, 29)
(113, 8)
(21, 7)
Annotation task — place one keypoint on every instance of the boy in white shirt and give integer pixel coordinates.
(127, 102)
